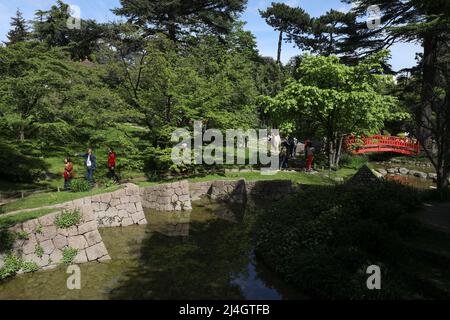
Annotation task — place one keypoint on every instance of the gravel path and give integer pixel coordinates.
(437, 216)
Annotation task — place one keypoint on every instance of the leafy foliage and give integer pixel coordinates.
(38, 250)
(80, 185)
(333, 100)
(175, 17)
(12, 265)
(324, 238)
(67, 219)
(69, 255)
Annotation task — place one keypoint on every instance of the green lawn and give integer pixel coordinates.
(51, 198)
(321, 178)
(9, 221)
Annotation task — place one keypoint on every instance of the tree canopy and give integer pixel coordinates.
(334, 100)
(178, 17)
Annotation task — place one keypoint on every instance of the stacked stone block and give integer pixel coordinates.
(44, 233)
(167, 197)
(122, 208)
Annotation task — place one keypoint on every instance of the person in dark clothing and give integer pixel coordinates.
(284, 155)
(112, 157)
(290, 143)
(90, 162)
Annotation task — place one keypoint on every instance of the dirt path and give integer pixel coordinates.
(436, 216)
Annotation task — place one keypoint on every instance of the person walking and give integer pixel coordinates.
(309, 150)
(306, 143)
(112, 165)
(90, 162)
(284, 155)
(68, 174)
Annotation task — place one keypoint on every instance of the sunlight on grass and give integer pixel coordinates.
(52, 198)
(9, 221)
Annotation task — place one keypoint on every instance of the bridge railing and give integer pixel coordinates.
(381, 143)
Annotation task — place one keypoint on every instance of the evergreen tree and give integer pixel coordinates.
(19, 29)
(51, 27)
(286, 20)
(181, 16)
(331, 31)
(426, 22)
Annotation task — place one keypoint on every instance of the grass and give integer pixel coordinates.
(322, 178)
(52, 198)
(9, 221)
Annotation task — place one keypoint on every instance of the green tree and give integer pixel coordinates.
(29, 73)
(421, 21)
(51, 28)
(330, 33)
(336, 100)
(426, 22)
(181, 16)
(19, 29)
(286, 20)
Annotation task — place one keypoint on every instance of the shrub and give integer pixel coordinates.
(80, 185)
(7, 239)
(12, 265)
(38, 250)
(28, 267)
(67, 219)
(17, 166)
(324, 238)
(23, 235)
(353, 162)
(68, 255)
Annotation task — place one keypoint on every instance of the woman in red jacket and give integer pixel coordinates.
(112, 165)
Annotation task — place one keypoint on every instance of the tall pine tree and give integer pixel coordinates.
(428, 23)
(19, 29)
(287, 21)
(176, 17)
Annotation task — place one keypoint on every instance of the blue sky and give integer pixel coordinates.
(402, 54)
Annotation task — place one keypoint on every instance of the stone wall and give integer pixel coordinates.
(43, 233)
(167, 197)
(117, 209)
(122, 208)
(198, 190)
(237, 191)
(126, 207)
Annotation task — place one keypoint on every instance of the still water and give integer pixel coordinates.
(204, 254)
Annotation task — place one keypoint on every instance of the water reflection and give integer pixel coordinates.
(204, 254)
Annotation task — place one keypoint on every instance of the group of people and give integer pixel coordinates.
(90, 163)
(288, 151)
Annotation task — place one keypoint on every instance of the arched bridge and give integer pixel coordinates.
(380, 143)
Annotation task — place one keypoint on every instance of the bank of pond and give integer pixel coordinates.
(316, 243)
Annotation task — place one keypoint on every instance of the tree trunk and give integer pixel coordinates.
(338, 151)
(172, 29)
(22, 130)
(280, 44)
(168, 108)
(428, 85)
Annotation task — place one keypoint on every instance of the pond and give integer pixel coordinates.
(412, 181)
(203, 254)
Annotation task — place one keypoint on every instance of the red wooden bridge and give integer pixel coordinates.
(380, 143)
